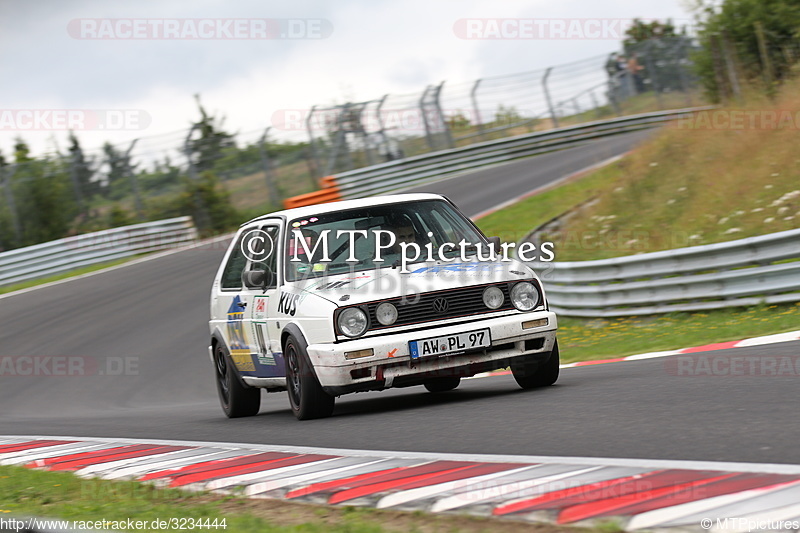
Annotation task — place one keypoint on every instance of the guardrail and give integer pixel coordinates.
(728, 274)
(70, 253)
(402, 173)
(386, 177)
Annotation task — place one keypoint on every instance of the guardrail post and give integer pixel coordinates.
(187, 150)
(203, 220)
(272, 189)
(382, 129)
(473, 96)
(547, 97)
(596, 105)
(365, 137)
(437, 102)
(76, 185)
(682, 73)
(12, 206)
(425, 119)
(612, 98)
(731, 66)
(137, 197)
(651, 66)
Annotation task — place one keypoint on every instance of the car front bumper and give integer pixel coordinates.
(392, 364)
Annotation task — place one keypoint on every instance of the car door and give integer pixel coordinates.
(261, 303)
(228, 302)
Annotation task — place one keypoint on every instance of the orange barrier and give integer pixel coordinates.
(328, 193)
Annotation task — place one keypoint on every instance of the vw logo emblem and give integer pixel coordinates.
(440, 305)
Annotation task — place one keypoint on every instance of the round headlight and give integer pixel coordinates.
(386, 314)
(353, 322)
(493, 297)
(524, 296)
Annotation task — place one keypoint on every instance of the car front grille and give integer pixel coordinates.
(440, 305)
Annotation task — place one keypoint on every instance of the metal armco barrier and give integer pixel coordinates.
(67, 254)
(728, 274)
(394, 175)
(402, 173)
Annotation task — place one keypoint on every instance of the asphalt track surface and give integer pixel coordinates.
(153, 316)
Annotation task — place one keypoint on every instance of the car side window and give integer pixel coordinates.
(232, 274)
(272, 260)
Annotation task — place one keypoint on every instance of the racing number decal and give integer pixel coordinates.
(260, 307)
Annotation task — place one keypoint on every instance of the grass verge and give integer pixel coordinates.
(586, 340)
(65, 275)
(65, 496)
(514, 222)
(693, 184)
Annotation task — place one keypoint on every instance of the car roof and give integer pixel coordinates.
(317, 209)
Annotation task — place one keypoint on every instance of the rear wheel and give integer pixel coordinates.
(306, 396)
(236, 399)
(540, 375)
(442, 384)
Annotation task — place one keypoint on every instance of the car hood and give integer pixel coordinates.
(384, 283)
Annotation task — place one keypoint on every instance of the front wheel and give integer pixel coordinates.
(306, 396)
(442, 384)
(541, 375)
(236, 399)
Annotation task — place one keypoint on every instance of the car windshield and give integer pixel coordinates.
(355, 239)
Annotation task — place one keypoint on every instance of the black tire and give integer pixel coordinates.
(442, 384)
(306, 396)
(541, 375)
(236, 399)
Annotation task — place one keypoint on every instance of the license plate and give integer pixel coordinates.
(450, 344)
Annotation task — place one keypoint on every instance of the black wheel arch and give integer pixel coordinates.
(294, 330)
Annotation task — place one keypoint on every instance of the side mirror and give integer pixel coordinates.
(258, 279)
(495, 244)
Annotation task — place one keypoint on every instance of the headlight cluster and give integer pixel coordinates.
(524, 296)
(386, 314)
(493, 297)
(353, 322)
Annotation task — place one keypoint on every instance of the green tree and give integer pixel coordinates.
(731, 29)
(458, 122)
(45, 200)
(507, 116)
(117, 182)
(164, 177)
(643, 31)
(81, 168)
(212, 143)
(208, 203)
(7, 237)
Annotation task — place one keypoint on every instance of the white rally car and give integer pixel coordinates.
(364, 295)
